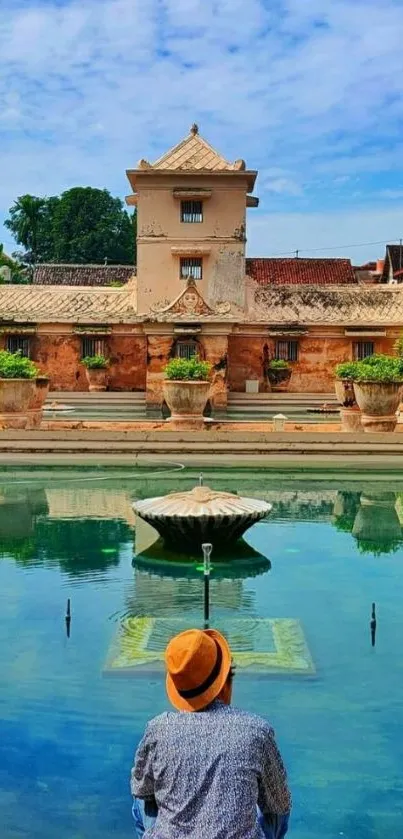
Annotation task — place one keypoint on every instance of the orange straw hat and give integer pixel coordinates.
(198, 662)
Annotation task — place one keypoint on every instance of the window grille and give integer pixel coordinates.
(192, 211)
(362, 349)
(186, 349)
(191, 268)
(287, 350)
(18, 343)
(92, 346)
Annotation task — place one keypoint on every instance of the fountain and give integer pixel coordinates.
(187, 519)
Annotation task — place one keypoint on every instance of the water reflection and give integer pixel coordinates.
(373, 520)
(33, 534)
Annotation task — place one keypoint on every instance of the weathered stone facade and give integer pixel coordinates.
(196, 292)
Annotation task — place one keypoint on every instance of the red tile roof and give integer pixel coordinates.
(295, 271)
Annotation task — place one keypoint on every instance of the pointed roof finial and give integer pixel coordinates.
(194, 129)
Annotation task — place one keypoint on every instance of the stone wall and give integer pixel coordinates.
(314, 370)
(58, 354)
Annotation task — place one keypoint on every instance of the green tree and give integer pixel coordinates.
(18, 273)
(82, 225)
(89, 225)
(27, 223)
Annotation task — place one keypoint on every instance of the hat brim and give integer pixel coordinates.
(197, 703)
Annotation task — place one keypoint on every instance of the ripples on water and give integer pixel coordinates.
(67, 733)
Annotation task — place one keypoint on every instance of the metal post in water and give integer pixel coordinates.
(207, 549)
(373, 625)
(201, 480)
(68, 618)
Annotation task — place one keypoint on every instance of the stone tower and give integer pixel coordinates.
(191, 206)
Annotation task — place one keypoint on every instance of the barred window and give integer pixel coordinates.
(19, 343)
(362, 349)
(287, 350)
(191, 268)
(92, 346)
(186, 349)
(192, 211)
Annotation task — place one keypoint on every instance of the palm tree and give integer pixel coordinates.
(25, 223)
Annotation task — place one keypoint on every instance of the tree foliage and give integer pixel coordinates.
(83, 225)
(18, 273)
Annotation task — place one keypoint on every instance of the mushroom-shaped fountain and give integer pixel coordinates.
(187, 519)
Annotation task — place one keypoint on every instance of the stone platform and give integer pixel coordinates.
(265, 646)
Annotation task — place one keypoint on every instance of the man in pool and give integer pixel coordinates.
(212, 772)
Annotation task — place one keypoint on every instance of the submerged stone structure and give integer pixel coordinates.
(187, 519)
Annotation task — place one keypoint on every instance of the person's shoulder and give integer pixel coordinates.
(156, 724)
(253, 721)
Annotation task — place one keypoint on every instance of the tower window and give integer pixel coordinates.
(92, 346)
(362, 349)
(191, 268)
(287, 350)
(192, 211)
(18, 343)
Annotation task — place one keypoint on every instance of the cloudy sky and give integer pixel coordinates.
(307, 91)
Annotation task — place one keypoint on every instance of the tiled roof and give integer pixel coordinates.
(193, 153)
(271, 271)
(82, 275)
(348, 306)
(53, 304)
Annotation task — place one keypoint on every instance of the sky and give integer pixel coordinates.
(309, 92)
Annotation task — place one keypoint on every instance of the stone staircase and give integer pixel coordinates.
(293, 405)
(108, 405)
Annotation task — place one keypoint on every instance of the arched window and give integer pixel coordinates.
(187, 348)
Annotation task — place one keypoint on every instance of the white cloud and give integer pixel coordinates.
(310, 88)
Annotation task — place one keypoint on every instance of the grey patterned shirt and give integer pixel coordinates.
(208, 771)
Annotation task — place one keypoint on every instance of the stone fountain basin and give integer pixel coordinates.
(187, 519)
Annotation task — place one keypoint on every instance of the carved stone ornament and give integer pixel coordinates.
(189, 302)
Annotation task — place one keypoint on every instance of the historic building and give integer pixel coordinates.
(195, 291)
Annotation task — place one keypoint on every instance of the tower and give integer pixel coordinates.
(191, 206)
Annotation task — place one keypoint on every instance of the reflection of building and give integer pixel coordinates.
(95, 503)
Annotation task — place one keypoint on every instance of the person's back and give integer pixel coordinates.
(214, 774)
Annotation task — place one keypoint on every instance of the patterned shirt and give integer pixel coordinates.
(208, 771)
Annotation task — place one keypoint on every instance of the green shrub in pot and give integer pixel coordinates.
(188, 369)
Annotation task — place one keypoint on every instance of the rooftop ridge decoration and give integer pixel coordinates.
(193, 153)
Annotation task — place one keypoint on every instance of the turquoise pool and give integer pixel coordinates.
(70, 720)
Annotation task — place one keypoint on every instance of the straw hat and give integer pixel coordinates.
(198, 662)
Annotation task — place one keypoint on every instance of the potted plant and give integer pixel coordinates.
(278, 374)
(186, 388)
(96, 368)
(350, 413)
(378, 383)
(17, 388)
(37, 402)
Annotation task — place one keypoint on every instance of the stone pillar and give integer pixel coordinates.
(158, 353)
(216, 352)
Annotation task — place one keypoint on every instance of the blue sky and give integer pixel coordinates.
(307, 91)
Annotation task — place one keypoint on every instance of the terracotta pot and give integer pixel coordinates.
(35, 413)
(15, 398)
(97, 378)
(186, 400)
(279, 378)
(345, 393)
(378, 402)
(351, 419)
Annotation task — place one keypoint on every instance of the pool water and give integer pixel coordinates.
(69, 726)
